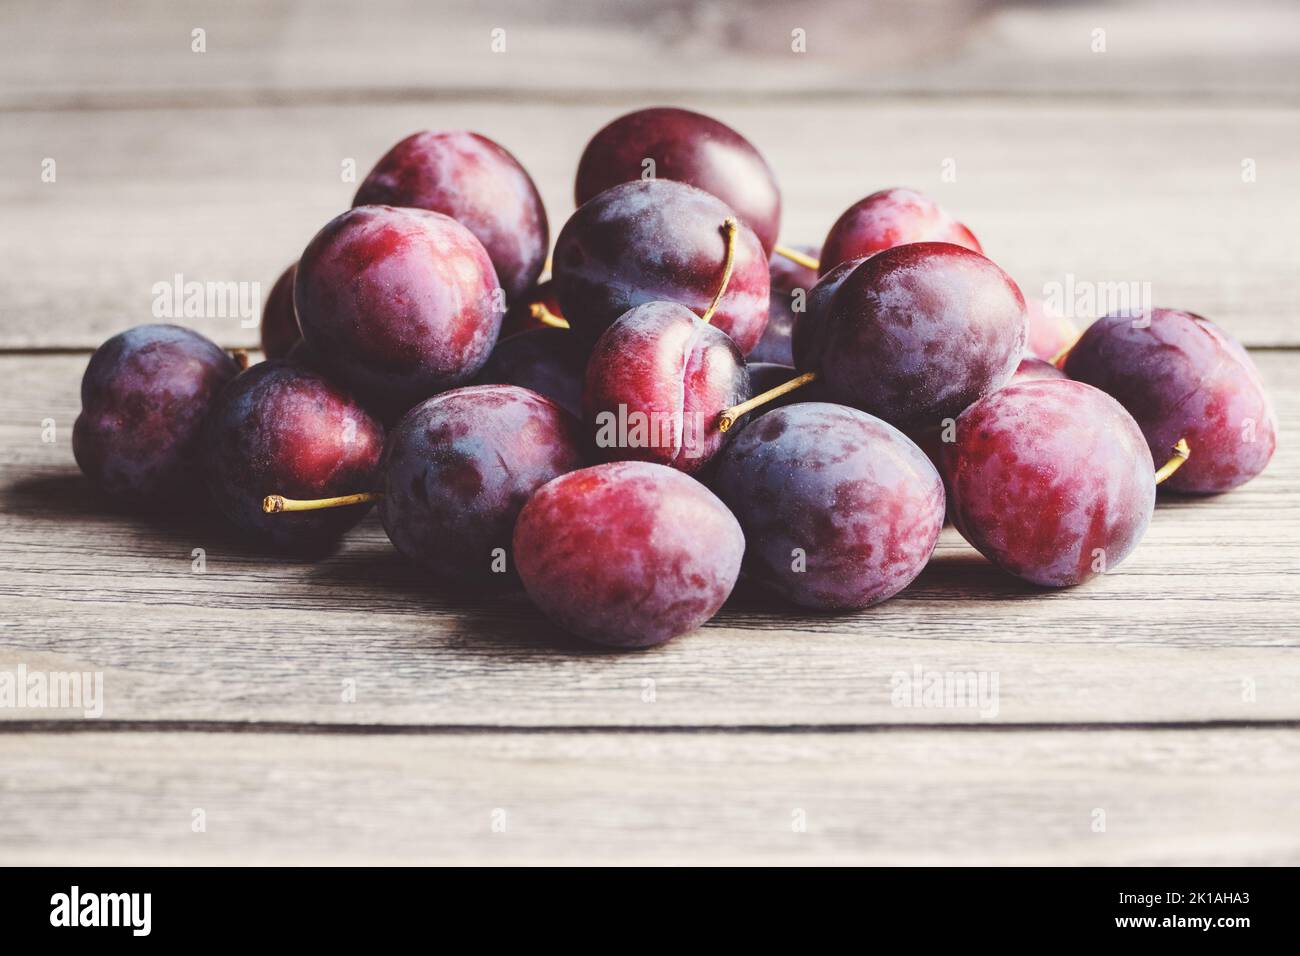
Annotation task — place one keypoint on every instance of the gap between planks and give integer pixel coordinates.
(18, 727)
(219, 99)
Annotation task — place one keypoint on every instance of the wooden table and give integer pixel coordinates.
(262, 710)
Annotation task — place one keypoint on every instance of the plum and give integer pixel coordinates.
(397, 304)
(1050, 480)
(656, 383)
(280, 430)
(1182, 377)
(551, 362)
(1049, 334)
(457, 470)
(144, 397)
(476, 182)
(790, 286)
(888, 218)
(808, 326)
(1035, 368)
(280, 331)
(658, 240)
(916, 333)
(627, 554)
(689, 148)
(840, 510)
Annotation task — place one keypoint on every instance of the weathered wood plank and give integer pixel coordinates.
(142, 49)
(1199, 624)
(927, 797)
(1103, 195)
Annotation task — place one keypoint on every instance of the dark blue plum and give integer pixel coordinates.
(1181, 376)
(144, 398)
(916, 333)
(658, 241)
(457, 470)
(840, 510)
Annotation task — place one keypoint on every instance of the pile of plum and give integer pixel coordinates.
(680, 400)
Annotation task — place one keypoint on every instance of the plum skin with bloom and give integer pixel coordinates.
(279, 330)
(658, 240)
(460, 466)
(145, 395)
(476, 182)
(280, 429)
(397, 304)
(846, 492)
(1181, 376)
(686, 147)
(627, 554)
(1050, 480)
(916, 333)
(888, 218)
(676, 373)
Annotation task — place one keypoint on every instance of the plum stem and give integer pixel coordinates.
(729, 226)
(241, 358)
(730, 415)
(274, 504)
(797, 257)
(1182, 451)
(542, 314)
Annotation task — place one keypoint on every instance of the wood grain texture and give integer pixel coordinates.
(1199, 624)
(76, 52)
(1104, 195)
(924, 797)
